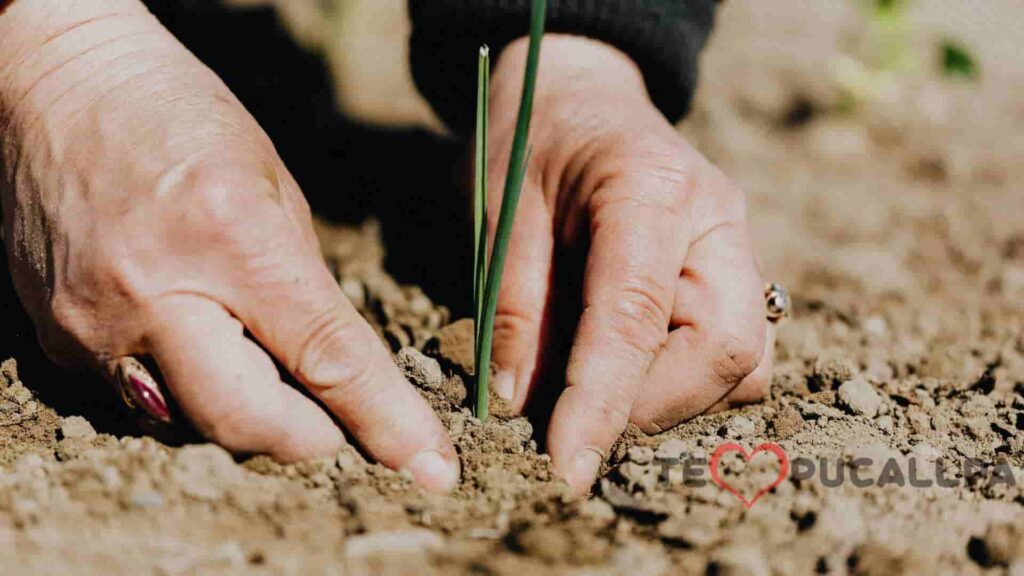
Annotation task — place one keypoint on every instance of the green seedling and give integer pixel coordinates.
(487, 275)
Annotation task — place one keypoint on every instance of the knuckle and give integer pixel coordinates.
(736, 356)
(512, 321)
(218, 202)
(639, 316)
(336, 356)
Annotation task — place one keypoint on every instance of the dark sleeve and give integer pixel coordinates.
(664, 38)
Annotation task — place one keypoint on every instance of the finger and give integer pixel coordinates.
(719, 339)
(297, 311)
(522, 300)
(755, 387)
(628, 287)
(229, 388)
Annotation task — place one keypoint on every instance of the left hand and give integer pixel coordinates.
(672, 320)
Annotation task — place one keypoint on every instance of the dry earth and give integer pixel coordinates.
(897, 226)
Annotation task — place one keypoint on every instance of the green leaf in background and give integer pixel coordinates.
(957, 61)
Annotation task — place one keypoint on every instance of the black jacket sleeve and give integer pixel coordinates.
(664, 38)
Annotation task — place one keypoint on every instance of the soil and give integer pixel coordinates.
(897, 228)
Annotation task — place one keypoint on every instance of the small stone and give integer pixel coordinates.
(671, 449)
(204, 471)
(926, 452)
(18, 393)
(420, 369)
(419, 303)
(142, 495)
(8, 372)
(736, 560)
(349, 460)
(399, 542)
(739, 427)
(979, 406)
(860, 397)
(886, 424)
(598, 509)
(787, 422)
(832, 368)
(640, 454)
(76, 427)
(639, 476)
(876, 326)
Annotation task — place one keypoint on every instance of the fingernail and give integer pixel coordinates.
(505, 384)
(149, 399)
(141, 389)
(433, 471)
(584, 468)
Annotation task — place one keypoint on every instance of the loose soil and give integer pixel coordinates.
(896, 226)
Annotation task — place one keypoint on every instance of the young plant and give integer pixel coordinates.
(487, 276)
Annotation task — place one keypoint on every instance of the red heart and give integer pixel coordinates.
(733, 447)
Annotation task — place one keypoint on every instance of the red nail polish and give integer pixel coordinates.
(149, 399)
(141, 391)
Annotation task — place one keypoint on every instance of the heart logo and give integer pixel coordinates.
(771, 447)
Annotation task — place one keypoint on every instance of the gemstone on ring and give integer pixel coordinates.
(777, 302)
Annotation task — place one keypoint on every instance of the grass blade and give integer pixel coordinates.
(510, 200)
(480, 191)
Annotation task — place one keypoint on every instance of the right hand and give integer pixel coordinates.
(146, 213)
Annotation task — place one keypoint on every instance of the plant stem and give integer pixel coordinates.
(517, 165)
(480, 193)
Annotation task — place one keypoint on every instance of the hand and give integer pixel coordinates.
(148, 214)
(625, 223)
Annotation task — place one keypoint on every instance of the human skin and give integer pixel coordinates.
(672, 320)
(146, 213)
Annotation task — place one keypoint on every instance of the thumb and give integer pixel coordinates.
(298, 313)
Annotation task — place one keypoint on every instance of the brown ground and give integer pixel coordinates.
(896, 226)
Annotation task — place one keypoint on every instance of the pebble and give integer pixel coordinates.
(671, 449)
(640, 454)
(644, 477)
(979, 406)
(76, 427)
(739, 427)
(831, 368)
(598, 509)
(204, 471)
(18, 393)
(8, 372)
(402, 542)
(886, 424)
(420, 369)
(860, 397)
(787, 422)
